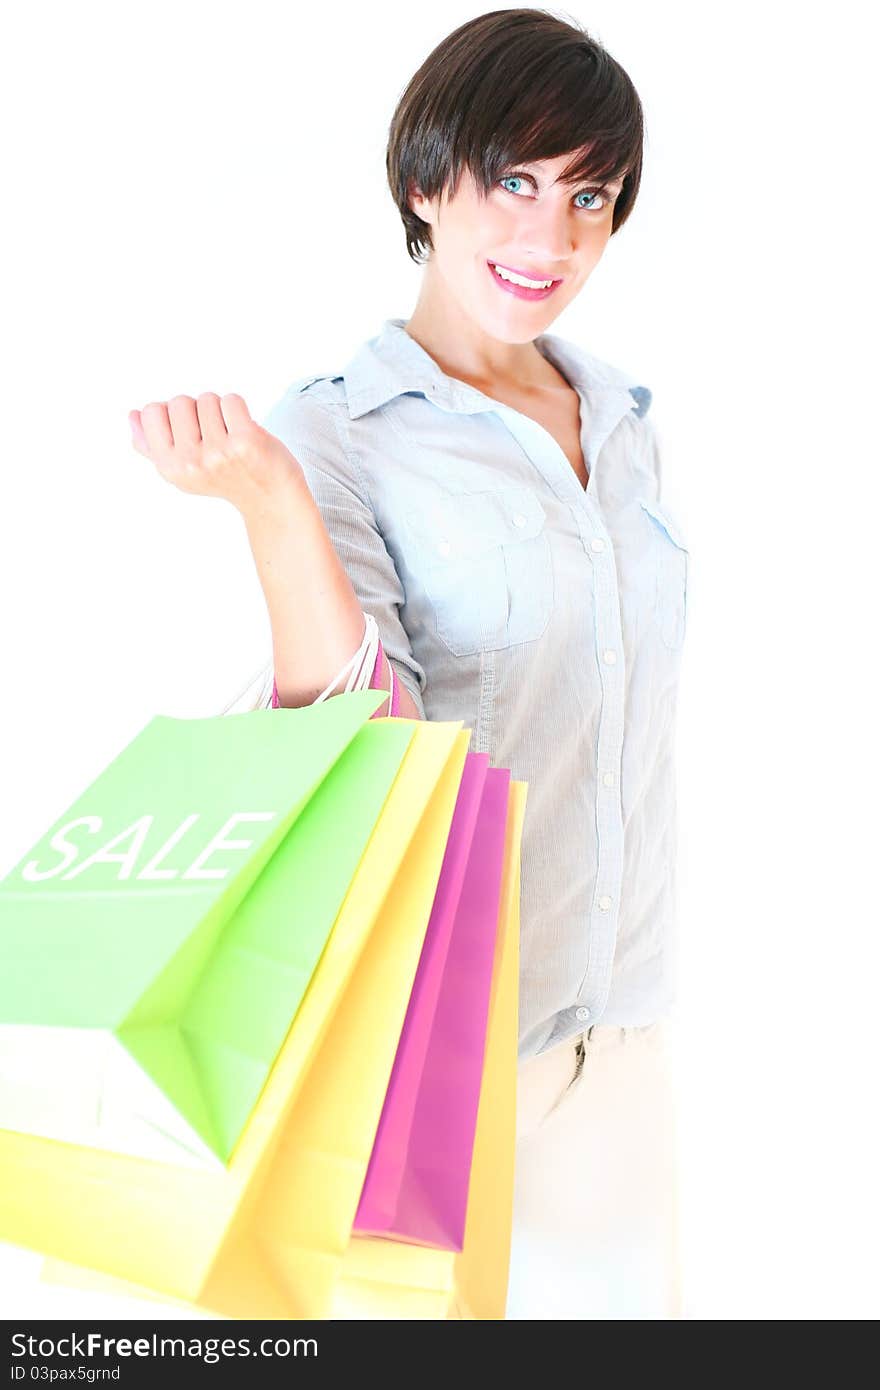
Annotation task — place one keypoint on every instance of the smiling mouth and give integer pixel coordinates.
(524, 287)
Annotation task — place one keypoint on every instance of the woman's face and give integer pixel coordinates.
(528, 223)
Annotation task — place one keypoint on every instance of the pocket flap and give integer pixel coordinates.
(474, 521)
(664, 518)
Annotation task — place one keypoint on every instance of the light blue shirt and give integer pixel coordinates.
(548, 618)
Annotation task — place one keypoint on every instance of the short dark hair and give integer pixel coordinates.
(513, 87)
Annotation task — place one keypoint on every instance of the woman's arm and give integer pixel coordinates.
(211, 446)
(316, 618)
(383, 673)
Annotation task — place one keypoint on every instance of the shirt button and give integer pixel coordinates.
(608, 779)
(597, 544)
(609, 656)
(605, 902)
(519, 519)
(444, 547)
(582, 1015)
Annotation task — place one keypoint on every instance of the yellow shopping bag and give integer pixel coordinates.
(162, 1226)
(293, 1255)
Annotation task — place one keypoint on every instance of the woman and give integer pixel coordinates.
(488, 493)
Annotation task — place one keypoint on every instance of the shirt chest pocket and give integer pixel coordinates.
(669, 562)
(486, 565)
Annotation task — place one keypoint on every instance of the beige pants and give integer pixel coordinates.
(595, 1207)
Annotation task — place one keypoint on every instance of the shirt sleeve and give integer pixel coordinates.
(376, 684)
(308, 428)
(375, 678)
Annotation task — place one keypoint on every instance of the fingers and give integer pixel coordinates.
(156, 429)
(220, 416)
(160, 427)
(184, 421)
(138, 439)
(235, 412)
(210, 416)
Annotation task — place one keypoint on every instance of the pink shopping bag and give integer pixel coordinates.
(388, 1160)
(417, 1182)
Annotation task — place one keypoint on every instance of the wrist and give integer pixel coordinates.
(273, 510)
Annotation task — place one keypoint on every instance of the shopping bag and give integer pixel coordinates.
(380, 1277)
(417, 1182)
(162, 1225)
(389, 1155)
(156, 942)
(389, 1279)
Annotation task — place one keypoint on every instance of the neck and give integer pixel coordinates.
(463, 349)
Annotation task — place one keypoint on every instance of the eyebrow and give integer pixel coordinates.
(615, 184)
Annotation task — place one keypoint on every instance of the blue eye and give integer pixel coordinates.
(590, 193)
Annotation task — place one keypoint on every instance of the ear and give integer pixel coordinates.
(423, 207)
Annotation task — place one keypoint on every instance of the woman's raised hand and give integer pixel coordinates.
(210, 445)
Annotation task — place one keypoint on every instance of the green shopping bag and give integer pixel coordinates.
(156, 942)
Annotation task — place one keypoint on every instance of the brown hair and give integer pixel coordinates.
(507, 88)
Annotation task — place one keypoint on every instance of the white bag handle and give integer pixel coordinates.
(257, 694)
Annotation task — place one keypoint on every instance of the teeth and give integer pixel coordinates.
(521, 279)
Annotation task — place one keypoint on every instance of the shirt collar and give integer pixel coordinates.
(393, 363)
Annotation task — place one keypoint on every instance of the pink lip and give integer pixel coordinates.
(521, 291)
(529, 274)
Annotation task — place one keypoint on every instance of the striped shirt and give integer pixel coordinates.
(546, 616)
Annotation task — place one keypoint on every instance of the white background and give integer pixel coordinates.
(196, 200)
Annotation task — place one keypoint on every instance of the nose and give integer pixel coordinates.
(548, 236)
